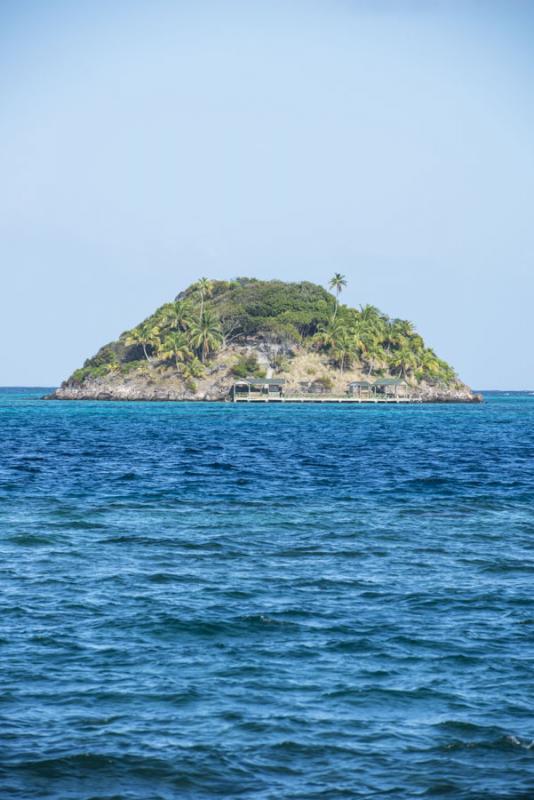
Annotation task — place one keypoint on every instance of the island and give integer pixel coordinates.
(248, 340)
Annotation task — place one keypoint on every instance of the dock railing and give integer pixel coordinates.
(327, 398)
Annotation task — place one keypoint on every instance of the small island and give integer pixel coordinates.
(248, 340)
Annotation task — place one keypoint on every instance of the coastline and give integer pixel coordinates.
(161, 395)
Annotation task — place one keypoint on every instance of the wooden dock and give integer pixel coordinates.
(310, 399)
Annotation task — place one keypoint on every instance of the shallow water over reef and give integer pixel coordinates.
(210, 600)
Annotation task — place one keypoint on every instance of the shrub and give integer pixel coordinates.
(80, 375)
(247, 366)
(106, 355)
(196, 367)
(131, 366)
(325, 381)
(280, 363)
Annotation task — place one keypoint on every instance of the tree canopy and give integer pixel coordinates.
(212, 315)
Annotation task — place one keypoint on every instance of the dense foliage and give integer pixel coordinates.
(211, 315)
(249, 307)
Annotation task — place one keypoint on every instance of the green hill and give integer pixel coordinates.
(299, 313)
(215, 331)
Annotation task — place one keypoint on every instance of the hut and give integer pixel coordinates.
(391, 387)
(257, 389)
(361, 389)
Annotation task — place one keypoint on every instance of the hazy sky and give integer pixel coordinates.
(145, 144)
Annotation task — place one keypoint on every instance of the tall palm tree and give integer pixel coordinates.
(146, 335)
(176, 345)
(206, 335)
(337, 283)
(204, 287)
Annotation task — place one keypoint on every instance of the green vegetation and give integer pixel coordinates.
(325, 381)
(248, 367)
(147, 336)
(205, 335)
(92, 372)
(274, 309)
(210, 316)
(176, 345)
(128, 367)
(281, 363)
(377, 344)
(204, 289)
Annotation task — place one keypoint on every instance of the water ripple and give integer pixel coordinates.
(204, 600)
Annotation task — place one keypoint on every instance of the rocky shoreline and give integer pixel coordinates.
(172, 389)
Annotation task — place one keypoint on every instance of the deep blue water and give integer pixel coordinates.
(209, 600)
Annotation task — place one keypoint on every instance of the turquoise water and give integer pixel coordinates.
(209, 600)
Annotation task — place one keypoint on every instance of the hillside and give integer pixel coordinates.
(216, 332)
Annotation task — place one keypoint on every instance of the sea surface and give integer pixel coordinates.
(230, 601)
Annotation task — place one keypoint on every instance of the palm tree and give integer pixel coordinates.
(362, 335)
(146, 335)
(176, 345)
(338, 338)
(206, 335)
(337, 283)
(405, 360)
(328, 335)
(176, 315)
(344, 349)
(401, 329)
(374, 320)
(433, 368)
(204, 287)
(369, 312)
(374, 354)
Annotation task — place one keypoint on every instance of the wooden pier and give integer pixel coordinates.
(271, 390)
(311, 399)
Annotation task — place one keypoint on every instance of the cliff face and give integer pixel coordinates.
(216, 333)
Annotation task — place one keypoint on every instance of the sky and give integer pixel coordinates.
(146, 144)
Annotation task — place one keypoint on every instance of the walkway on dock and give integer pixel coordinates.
(310, 399)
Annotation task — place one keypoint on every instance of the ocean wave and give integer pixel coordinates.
(200, 601)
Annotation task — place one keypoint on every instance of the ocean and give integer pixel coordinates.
(208, 600)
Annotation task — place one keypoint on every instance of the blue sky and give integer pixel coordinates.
(145, 144)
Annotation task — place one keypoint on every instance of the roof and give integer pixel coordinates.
(379, 382)
(260, 382)
(388, 382)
